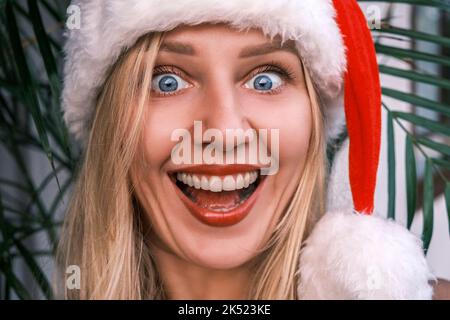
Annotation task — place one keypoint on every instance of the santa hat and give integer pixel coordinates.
(350, 253)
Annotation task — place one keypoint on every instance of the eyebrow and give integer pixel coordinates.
(247, 52)
(267, 48)
(178, 47)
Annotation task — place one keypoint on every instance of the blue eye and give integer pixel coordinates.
(264, 82)
(168, 83)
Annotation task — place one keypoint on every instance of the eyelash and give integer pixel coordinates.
(284, 71)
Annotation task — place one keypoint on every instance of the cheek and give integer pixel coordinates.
(295, 132)
(160, 122)
(291, 115)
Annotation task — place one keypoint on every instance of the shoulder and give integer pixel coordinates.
(441, 290)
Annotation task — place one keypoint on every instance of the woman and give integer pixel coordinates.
(157, 213)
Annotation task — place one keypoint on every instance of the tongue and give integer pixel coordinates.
(215, 201)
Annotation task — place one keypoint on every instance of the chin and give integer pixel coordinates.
(223, 256)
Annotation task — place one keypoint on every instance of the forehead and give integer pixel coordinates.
(189, 40)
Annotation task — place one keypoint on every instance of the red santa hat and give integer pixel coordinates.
(335, 44)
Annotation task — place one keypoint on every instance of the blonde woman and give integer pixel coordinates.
(151, 90)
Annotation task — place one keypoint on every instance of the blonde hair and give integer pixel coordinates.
(103, 230)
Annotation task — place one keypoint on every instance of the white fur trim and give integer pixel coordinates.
(110, 26)
(339, 194)
(354, 256)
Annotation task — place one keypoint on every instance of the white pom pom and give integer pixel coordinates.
(355, 256)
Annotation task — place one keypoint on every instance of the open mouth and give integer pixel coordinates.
(218, 200)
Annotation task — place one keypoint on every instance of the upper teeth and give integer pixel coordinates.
(216, 183)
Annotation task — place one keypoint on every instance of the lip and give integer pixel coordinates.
(217, 170)
(213, 218)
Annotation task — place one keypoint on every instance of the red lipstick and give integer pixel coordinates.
(218, 209)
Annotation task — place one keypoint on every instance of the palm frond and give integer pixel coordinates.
(426, 133)
(31, 122)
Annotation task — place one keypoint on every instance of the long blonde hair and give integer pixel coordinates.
(103, 230)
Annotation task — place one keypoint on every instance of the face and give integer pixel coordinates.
(221, 215)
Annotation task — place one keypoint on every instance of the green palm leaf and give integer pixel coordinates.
(31, 121)
(426, 131)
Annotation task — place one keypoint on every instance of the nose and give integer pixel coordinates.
(222, 111)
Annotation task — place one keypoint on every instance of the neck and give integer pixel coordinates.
(184, 280)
